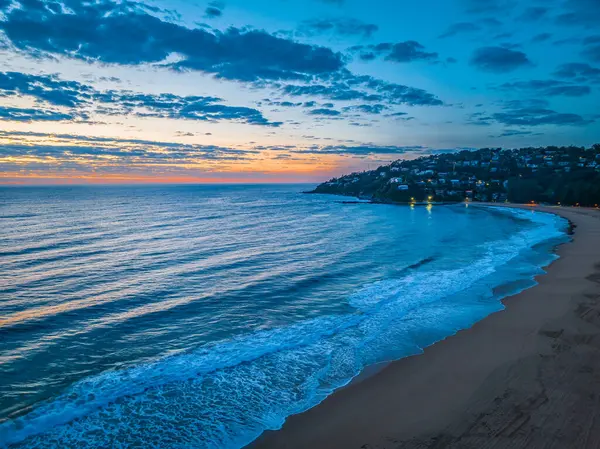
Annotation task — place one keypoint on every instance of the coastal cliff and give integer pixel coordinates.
(553, 175)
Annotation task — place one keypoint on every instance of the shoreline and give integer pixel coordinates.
(492, 385)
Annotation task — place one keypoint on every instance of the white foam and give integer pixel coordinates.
(227, 393)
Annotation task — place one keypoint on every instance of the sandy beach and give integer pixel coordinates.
(525, 377)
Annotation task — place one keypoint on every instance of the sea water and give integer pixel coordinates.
(201, 316)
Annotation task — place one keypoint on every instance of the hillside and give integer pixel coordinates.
(565, 175)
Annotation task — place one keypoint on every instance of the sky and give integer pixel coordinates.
(250, 91)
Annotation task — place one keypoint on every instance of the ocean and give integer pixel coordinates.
(201, 316)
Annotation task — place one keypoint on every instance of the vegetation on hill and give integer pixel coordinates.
(565, 175)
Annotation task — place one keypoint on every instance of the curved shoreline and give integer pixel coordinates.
(513, 379)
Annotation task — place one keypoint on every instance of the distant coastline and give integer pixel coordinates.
(550, 175)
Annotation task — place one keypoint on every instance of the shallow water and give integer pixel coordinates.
(199, 316)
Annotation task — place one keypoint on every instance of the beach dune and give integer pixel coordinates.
(525, 377)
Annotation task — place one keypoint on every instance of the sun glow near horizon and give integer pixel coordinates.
(288, 93)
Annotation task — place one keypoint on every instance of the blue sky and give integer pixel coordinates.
(285, 90)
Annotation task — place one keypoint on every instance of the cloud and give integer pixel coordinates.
(44, 152)
(334, 91)
(533, 14)
(400, 116)
(592, 40)
(592, 53)
(536, 113)
(213, 12)
(515, 132)
(82, 98)
(362, 150)
(325, 111)
(502, 36)
(33, 115)
(125, 33)
(407, 51)
(480, 119)
(341, 27)
(567, 41)
(579, 72)
(366, 108)
(499, 59)
(488, 6)
(348, 87)
(527, 113)
(141, 150)
(74, 139)
(47, 88)
(537, 117)
(128, 34)
(548, 88)
(284, 104)
(460, 28)
(542, 37)
(526, 103)
(584, 13)
(490, 22)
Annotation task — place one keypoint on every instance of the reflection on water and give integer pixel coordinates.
(202, 315)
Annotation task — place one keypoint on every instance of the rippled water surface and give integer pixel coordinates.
(199, 316)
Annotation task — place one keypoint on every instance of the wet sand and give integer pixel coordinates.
(525, 377)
